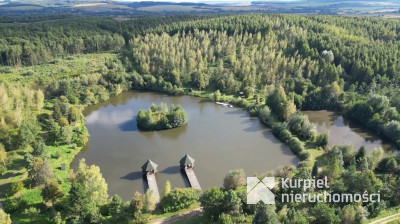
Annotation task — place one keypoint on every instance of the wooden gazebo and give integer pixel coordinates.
(149, 167)
(187, 162)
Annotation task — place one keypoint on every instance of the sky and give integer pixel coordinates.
(205, 1)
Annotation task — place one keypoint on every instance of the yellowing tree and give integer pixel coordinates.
(4, 217)
(93, 183)
(167, 188)
(39, 99)
(3, 155)
(289, 109)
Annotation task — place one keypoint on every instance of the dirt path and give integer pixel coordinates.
(172, 219)
(387, 219)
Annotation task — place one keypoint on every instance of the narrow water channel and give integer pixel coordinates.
(343, 131)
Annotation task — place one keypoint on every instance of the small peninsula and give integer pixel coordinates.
(161, 117)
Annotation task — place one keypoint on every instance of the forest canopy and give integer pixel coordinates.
(282, 64)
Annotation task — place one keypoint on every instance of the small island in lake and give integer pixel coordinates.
(161, 117)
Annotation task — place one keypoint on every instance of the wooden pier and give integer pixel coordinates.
(187, 164)
(150, 170)
(194, 183)
(152, 183)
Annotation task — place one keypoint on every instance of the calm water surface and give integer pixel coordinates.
(343, 131)
(218, 138)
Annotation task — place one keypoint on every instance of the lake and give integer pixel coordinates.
(218, 138)
(343, 131)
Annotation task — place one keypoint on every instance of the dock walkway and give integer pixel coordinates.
(194, 183)
(152, 183)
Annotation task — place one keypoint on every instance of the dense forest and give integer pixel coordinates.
(282, 64)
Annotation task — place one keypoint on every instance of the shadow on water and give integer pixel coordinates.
(254, 125)
(133, 176)
(205, 100)
(171, 170)
(241, 112)
(129, 125)
(173, 133)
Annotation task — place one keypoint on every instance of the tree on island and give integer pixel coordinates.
(160, 117)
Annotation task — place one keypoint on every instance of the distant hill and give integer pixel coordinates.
(14, 8)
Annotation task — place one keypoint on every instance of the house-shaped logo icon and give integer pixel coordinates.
(259, 190)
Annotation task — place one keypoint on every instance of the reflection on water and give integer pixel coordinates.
(343, 131)
(218, 138)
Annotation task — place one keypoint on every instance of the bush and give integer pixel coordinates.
(265, 116)
(254, 110)
(296, 145)
(235, 179)
(16, 187)
(180, 198)
(225, 219)
(239, 102)
(304, 155)
(296, 122)
(392, 131)
(31, 211)
(322, 140)
(308, 132)
(387, 164)
(56, 155)
(285, 135)
(13, 204)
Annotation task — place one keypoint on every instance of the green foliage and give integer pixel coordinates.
(265, 116)
(160, 117)
(136, 205)
(14, 204)
(225, 219)
(211, 201)
(51, 192)
(167, 188)
(28, 133)
(322, 140)
(179, 198)
(296, 145)
(333, 168)
(116, 205)
(281, 132)
(31, 211)
(217, 96)
(40, 150)
(265, 214)
(88, 192)
(231, 202)
(16, 187)
(387, 164)
(392, 131)
(40, 172)
(149, 203)
(277, 101)
(322, 213)
(235, 179)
